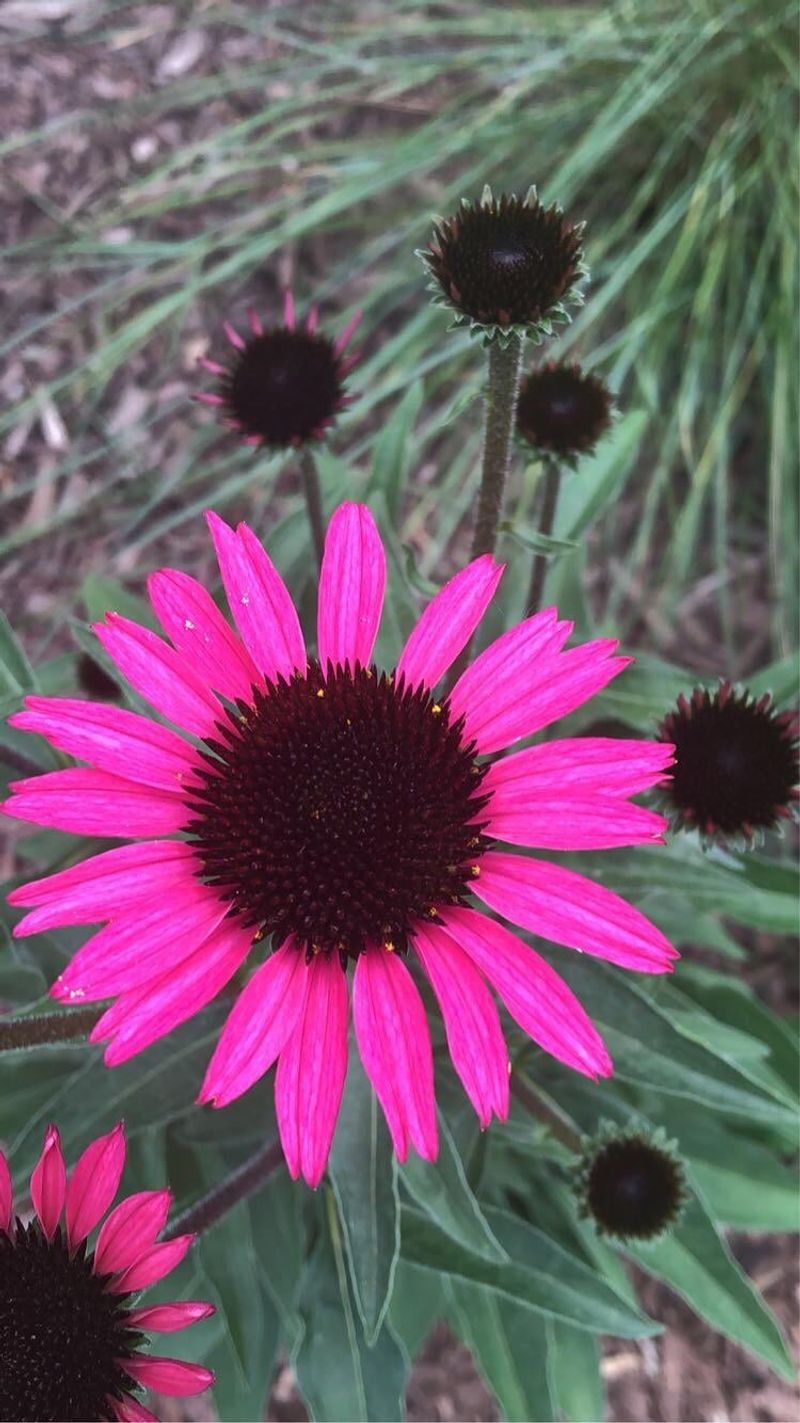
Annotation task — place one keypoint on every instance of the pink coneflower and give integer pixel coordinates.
(285, 384)
(71, 1331)
(349, 814)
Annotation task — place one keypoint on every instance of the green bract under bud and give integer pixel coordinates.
(507, 266)
(563, 411)
(631, 1182)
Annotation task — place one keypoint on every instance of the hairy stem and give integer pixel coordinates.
(505, 364)
(222, 1198)
(48, 1028)
(552, 479)
(501, 410)
(311, 490)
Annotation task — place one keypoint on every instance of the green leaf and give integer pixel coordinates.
(418, 1302)
(394, 450)
(648, 1048)
(540, 1274)
(16, 673)
(228, 1259)
(535, 542)
(278, 1236)
(743, 1184)
(363, 1171)
(588, 491)
(106, 595)
(509, 1348)
(342, 1377)
(575, 1372)
(696, 1262)
(441, 1189)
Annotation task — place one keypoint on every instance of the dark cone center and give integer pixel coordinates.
(284, 386)
(633, 1189)
(340, 808)
(60, 1332)
(506, 262)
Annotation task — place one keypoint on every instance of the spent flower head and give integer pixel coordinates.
(284, 385)
(506, 266)
(736, 763)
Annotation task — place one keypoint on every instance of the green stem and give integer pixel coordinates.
(552, 479)
(222, 1198)
(502, 393)
(316, 519)
(548, 1115)
(501, 409)
(48, 1028)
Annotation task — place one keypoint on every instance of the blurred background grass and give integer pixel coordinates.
(166, 164)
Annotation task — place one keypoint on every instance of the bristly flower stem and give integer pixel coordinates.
(311, 489)
(43, 1028)
(505, 360)
(552, 480)
(222, 1198)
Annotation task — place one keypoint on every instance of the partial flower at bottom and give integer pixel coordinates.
(351, 817)
(73, 1336)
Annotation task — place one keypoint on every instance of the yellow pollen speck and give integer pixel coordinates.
(321, 692)
(389, 946)
(316, 948)
(436, 709)
(475, 871)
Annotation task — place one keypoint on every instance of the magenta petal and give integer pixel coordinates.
(49, 1183)
(170, 1376)
(104, 886)
(196, 627)
(160, 674)
(569, 821)
(6, 1196)
(351, 588)
(494, 693)
(130, 1230)
(472, 1023)
(559, 904)
(137, 1020)
(156, 1262)
(131, 951)
(94, 1183)
(395, 1048)
(448, 622)
(545, 1008)
(168, 1318)
(259, 600)
(311, 1072)
(581, 765)
(552, 687)
(265, 1014)
(95, 803)
(130, 1410)
(112, 739)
